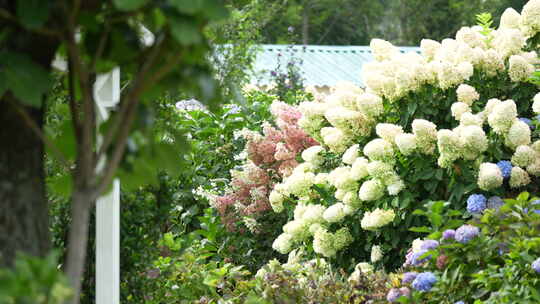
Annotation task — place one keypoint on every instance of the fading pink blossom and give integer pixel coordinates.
(271, 156)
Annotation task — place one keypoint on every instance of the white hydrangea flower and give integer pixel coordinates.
(467, 94)
(377, 218)
(313, 155)
(340, 194)
(321, 178)
(351, 199)
(388, 131)
(458, 108)
(510, 19)
(429, 48)
(382, 49)
(519, 178)
(426, 135)
(335, 139)
(349, 157)
(395, 187)
(296, 228)
(348, 120)
(406, 143)
(370, 104)
(283, 243)
(470, 119)
(518, 134)
(489, 177)
(313, 214)
(379, 149)
(473, 141)
(508, 42)
(536, 146)
(492, 62)
(502, 115)
(323, 243)
(530, 17)
(534, 168)
(380, 170)
(276, 201)
(359, 168)
(341, 178)
(299, 183)
(536, 104)
(470, 36)
(334, 213)
(371, 190)
(376, 253)
(519, 69)
(524, 156)
(449, 145)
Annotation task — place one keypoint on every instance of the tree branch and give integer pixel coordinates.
(120, 117)
(113, 164)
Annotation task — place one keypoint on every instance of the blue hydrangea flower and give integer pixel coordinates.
(536, 265)
(476, 203)
(393, 295)
(528, 122)
(449, 234)
(424, 281)
(466, 233)
(408, 277)
(416, 260)
(459, 302)
(495, 202)
(429, 244)
(506, 168)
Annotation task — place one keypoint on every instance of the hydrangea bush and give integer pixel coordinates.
(494, 258)
(458, 118)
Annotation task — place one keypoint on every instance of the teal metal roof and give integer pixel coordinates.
(320, 65)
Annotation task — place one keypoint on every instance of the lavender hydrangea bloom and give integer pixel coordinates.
(495, 202)
(476, 203)
(506, 168)
(424, 281)
(429, 244)
(393, 295)
(416, 260)
(449, 234)
(408, 277)
(466, 233)
(459, 302)
(528, 122)
(536, 265)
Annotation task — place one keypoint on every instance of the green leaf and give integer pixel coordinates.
(32, 13)
(27, 80)
(189, 7)
(129, 5)
(420, 229)
(185, 32)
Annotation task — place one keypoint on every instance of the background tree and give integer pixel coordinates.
(94, 36)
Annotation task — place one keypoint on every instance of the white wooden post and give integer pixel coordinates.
(106, 95)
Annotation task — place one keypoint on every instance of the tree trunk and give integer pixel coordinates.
(23, 213)
(77, 243)
(305, 24)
